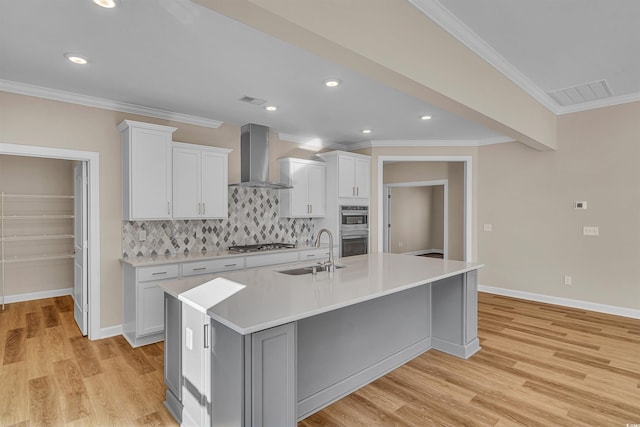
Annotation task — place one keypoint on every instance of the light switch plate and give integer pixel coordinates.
(142, 235)
(488, 227)
(188, 338)
(590, 231)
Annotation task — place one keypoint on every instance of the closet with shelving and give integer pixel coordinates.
(36, 227)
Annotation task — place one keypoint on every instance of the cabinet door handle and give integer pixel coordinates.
(206, 336)
(357, 191)
(169, 208)
(199, 211)
(199, 269)
(159, 273)
(230, 265)
(353, 191)
(310, 255)
(204, 208)
(310, 209)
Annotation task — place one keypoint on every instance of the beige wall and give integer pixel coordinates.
(537, 236)
(33, 176)
(41, 122)
(416, 218)
(397, 172)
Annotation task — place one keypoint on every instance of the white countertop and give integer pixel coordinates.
(269, 298)
(201, 256)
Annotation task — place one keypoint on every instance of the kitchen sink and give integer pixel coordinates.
(307, 270)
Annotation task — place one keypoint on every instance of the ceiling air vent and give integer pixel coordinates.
(252, 100)
(582, 93)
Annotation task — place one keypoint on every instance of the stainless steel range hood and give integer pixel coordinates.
(254, 158)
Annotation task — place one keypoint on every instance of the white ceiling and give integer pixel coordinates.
(178, 59)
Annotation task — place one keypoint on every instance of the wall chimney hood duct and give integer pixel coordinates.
(254, 158)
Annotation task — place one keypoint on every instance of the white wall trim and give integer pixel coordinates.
(93, 237)
(566, 302)
(106, 104)
(468, 195)
(445, 183)
(425, 251)
(38, 295)
(109, 332)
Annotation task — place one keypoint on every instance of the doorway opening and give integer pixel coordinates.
(89, 242)
(464, 163)
(416, 218)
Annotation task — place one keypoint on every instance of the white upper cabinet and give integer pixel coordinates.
(146, 170)
(307, 198)
(200, 181)
(353, 175)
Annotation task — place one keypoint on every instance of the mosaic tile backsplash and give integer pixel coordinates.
(253, 218)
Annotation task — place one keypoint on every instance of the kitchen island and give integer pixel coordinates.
(264, 348)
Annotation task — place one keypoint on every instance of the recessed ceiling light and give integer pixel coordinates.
(332, 82)
(109, 4)
(425, 118)
(76, 59)
(271, 108)
(366, 130)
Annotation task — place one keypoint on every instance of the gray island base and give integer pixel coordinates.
(284, 347)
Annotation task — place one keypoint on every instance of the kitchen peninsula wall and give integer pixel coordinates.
(253, 218)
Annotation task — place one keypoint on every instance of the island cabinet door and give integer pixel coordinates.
(273, 384)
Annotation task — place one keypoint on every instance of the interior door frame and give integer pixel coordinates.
(468, 190)
(93, 215)
(387, 187)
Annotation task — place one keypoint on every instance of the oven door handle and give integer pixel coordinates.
(350, 237)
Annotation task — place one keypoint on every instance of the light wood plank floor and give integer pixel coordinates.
(540, 365)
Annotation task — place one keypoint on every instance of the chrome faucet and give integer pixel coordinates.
(329, 265)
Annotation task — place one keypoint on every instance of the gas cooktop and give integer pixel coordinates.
(261, 247)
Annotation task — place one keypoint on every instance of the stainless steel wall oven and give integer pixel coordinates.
(354, 230)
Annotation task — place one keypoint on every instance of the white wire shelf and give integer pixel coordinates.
(37, 216)
(37, 196)
(36, 237)
(43, 257)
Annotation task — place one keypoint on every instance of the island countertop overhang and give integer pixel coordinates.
(270, 298)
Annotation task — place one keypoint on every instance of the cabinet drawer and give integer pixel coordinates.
(159, 272)
(314, 254)
(271, 259)
(212, 266)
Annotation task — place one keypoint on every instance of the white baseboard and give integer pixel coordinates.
(567, 302)
(8, 299)
(109, 332)
(425, 251)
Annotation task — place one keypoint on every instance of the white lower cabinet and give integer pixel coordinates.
(142, 297)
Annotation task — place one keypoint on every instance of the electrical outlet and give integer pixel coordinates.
(400, 244)
(568, 281)
(142, 235)
(488, 227)
(590, 231)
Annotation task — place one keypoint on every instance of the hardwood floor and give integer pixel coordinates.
(540, 365)
(52, 376)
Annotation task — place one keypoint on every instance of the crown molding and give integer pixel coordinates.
(599, 103)
(105, 104)
(430, 143)
(454, 26)
(311, 142)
